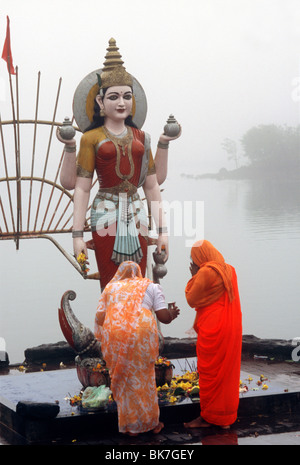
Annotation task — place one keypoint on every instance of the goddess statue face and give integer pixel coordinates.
(116, 103)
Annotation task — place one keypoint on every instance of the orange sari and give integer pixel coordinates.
(213, 292)
(129, 341)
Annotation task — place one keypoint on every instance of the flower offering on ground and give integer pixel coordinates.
(180, 386)
(75, 400)
(246, 386)
(186, 385)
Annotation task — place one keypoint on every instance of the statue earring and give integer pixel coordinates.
(102, 112)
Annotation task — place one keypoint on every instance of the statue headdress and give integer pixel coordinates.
(113, 73)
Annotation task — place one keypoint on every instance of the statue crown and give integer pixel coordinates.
(113, 72)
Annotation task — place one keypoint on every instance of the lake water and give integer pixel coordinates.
(255, 225)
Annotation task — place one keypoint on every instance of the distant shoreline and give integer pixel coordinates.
(248, 172)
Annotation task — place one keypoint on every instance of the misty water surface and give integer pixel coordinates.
(255, 224)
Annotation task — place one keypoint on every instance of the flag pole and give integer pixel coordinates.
(18, 156)
(17, 151)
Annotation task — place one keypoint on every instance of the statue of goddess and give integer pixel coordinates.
(110, 107)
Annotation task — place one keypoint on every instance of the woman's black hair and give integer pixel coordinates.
(98, 120)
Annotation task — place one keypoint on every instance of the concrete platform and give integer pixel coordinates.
(281, 397)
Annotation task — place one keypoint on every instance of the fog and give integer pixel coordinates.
(220, 66)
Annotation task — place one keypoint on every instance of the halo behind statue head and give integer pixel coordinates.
(88, 88)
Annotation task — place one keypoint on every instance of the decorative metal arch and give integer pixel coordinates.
(33, 206)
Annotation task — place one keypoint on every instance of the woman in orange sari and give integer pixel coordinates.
(213, 292)
(127, 330)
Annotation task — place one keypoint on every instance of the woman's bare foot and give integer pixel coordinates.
(158, 428)
(197, 423)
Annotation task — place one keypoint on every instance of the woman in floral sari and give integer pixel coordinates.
(127, 330)
(213, 292)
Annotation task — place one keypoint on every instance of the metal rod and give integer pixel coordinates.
(52, 127)
(47, 154)
(4, 217)
(73, 262)
(16, 157)
(62, 215)
(6, 179)
(18, 146)
(63, 193)
(33, 147)
(57, 173)
(58, 203)
(55, 210)
(32, 121)
(10, 236)
(35, 178)
(52, 192)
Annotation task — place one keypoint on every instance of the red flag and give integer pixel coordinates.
(6, 54)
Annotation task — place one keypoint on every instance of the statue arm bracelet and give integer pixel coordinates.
(162, 145)
(162, 230)
(77, 234)
(70, 148)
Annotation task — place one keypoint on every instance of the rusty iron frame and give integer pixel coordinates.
(13, 212)
(13, 216)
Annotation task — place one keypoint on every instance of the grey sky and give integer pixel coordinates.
(220, 66)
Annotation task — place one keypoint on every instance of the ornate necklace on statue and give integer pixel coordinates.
(120, 143)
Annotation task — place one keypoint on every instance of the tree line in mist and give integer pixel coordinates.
(265, 150)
